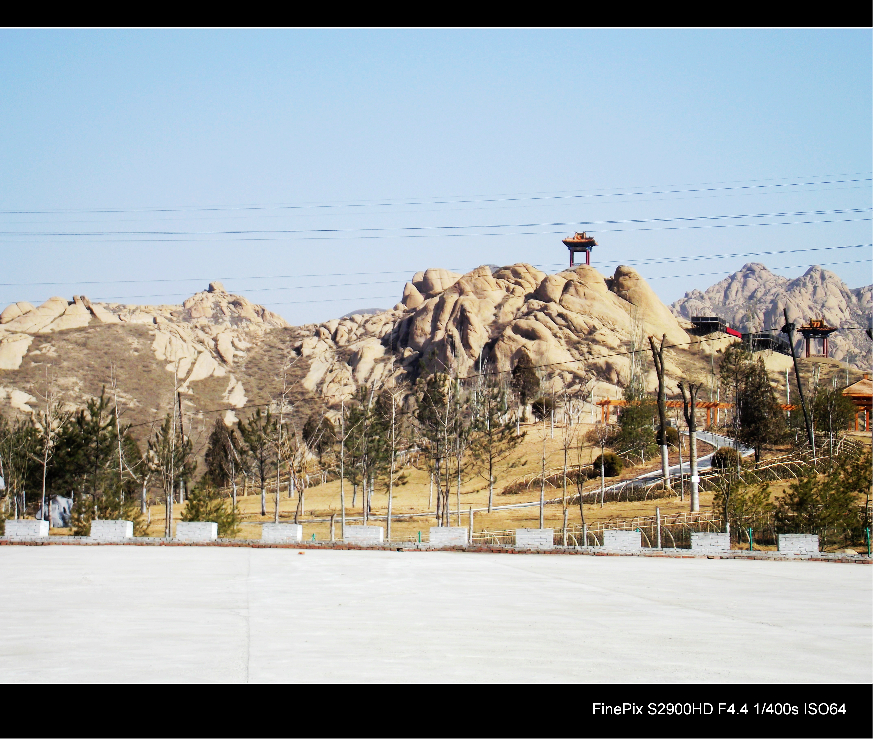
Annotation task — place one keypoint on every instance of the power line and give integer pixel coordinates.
(629, 262)
(513, 206)
(394, 297)
(341, 239)
(570, 224)
(572, 195)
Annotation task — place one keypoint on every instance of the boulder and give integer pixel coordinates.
(38, 318)
(75, 316)
(656, 317)
(103, 315)
(435, 281)
(12, 350)
(14, 311)
(412, 298)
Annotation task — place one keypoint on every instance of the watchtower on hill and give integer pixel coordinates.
(816, 331)
(579, 242)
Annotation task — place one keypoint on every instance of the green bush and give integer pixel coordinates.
(725, 458)
(110, 505)
(612, 465)
(672, 436)
(206, 504)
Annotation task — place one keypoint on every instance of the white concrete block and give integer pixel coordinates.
(26, 528)
(363, 534)
(710, 541)
(448, 536)
(535, 538)
(111, 530)
(622, 540)
(196, 531)
(282, 532)
(797, 543)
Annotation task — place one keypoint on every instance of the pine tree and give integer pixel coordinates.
(258, 436)
(205, 503)
(525, 382)
(832, 413)
(634, 432)
(760, 418)
(222, 457)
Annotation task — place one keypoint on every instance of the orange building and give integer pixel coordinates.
(861, 394)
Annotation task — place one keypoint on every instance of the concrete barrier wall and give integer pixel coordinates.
(364, 534)
(196, 531)
(285, 532)
(624, 540)
(796, 543)
(448, 536)
(111, 530)
(535, 538)
(26, 529)
(710, 541)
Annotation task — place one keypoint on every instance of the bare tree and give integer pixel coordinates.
(601, 433)
(569, 434)
(50, 421)
(494, 435)
(689, 410)
(658, 358)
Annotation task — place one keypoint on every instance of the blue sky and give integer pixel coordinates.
(314, 171)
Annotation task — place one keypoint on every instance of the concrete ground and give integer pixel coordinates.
(180, 614)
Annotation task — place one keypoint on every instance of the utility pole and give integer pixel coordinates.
(343, 463)
(788, 328)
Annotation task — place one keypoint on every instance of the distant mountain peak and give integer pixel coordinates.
(752, 299)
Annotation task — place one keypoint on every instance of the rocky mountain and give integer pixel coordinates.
(752, 299)
(224, 354)
(201, 347)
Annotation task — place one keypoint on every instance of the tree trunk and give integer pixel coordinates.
(278, 495)
(439, 488)
(364, 498)
(490, 483)
(658, 357)
(695, 479)
(543, 481)
(343, 465)
(143, 501)
(602, 475)
(263, 499)
(459, 489)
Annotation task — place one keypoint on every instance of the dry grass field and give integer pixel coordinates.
(413, 506)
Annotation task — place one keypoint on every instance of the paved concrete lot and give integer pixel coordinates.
(123, 613)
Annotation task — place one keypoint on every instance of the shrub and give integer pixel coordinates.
(206, 504)
(612, 465)
(725, 458)
(672, 436)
